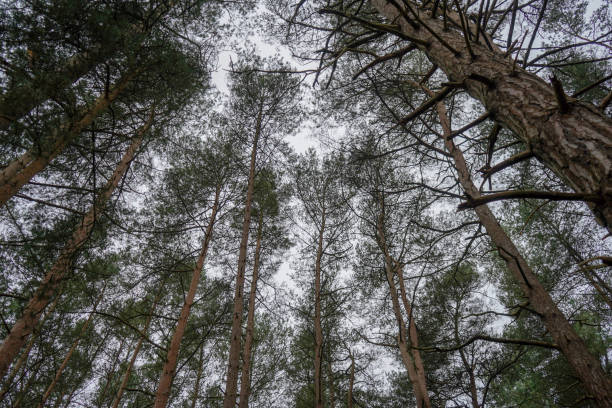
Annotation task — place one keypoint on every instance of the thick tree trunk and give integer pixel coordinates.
(128, 370)
(31, 315)
(318, 330)
(167, 375)
(411, 358)
(21, 170)
(575, 143)
(586, 366)
(245, 379)
(231, 384)
(75, 343)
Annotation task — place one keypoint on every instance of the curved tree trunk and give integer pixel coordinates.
(38, 302)
(167, 375)
(245, 379)
(586, 366)
(231, 384)
(575, 143)
(21, 170)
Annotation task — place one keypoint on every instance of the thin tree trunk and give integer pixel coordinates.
(109, 376)
(31, 315)
(196, 388)
(245, 379)
(586, 366)
(330, 382)
(231, 384)
(349, 394)
(167, 375)
(24, 355)
(22, 169)
(468, 367)
(318, 330)
(575, 144)
(75, 343)
(416, 378)
(128, 370)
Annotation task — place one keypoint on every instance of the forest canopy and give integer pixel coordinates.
(305, 203)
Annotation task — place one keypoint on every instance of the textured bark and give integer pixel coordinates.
(245, 379)
(48, 288)
(231, 384)
(167, 375)
(73, 347)
(587, 368)
(416, 371)
(318, 331)
(576, 145)
(21, 170)
(128, 370)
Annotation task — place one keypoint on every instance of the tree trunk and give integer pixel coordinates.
(349, 394)
(318, 331)
(75, 343)
(109, 376)
(330, 382)
(416, 371)
(196, 388)
(165, 380)
(231, 385)
(31, 315)
(245, 379)
(575, 144)
(585, 365)
(24, 356)
(22, 169)
(128, 370)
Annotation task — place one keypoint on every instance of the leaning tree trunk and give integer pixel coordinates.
(231, 384)
(586, 366)
(416, 371)
(21, 170)
(167, 375)
(574, 140)
(73, 347)
(38, 302)
(143, 335)
(245, 379)
(318, 331)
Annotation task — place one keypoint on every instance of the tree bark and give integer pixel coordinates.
(231, 384)
(24, 356)
(196, 387)
(245, 379)
(416, 371)
(167, 376)
(22, 169)
(318, 330)
(575, 144)
(128, 370)
(38, 302)
(75, 343)
(586, 366)
(349, 394)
